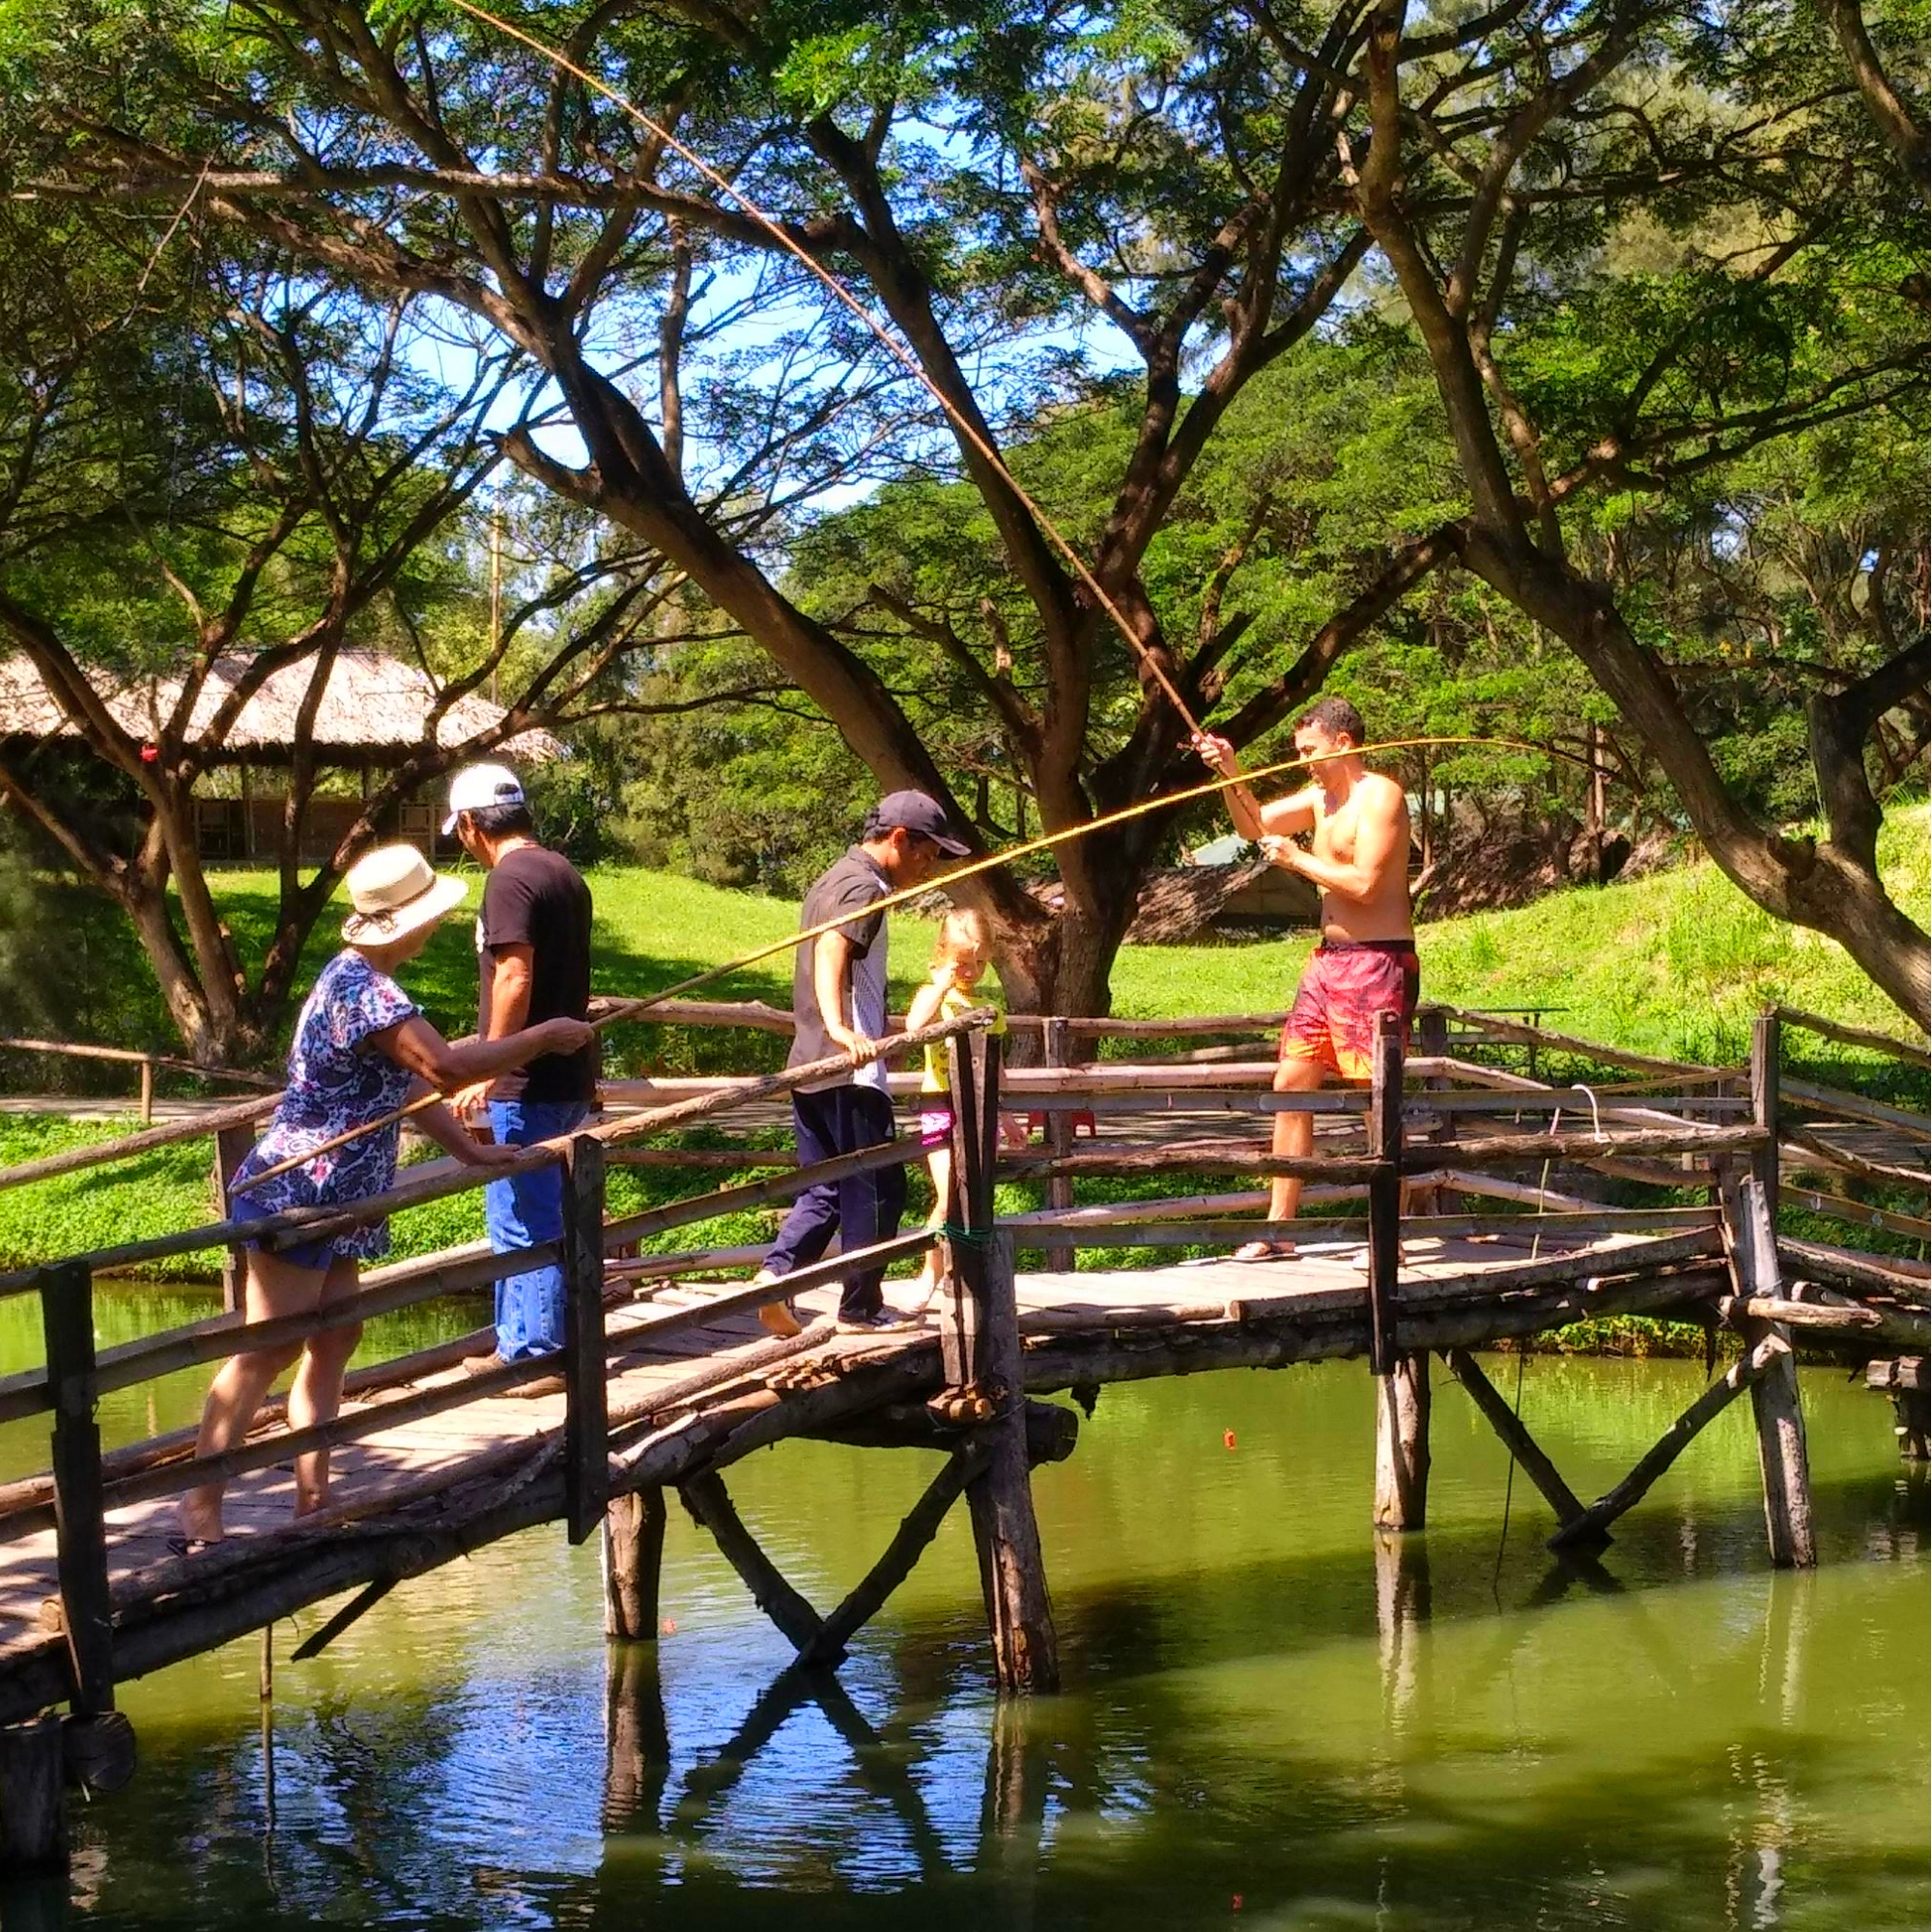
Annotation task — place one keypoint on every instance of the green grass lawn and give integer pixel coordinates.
(1675, 964)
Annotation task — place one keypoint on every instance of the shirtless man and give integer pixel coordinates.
(1366, 962)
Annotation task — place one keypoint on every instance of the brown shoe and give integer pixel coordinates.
(780, 1318)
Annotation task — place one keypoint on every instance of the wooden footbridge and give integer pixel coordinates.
(1450, 1206)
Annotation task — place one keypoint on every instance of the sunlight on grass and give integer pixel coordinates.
(1674, 964)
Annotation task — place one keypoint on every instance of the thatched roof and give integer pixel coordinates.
(374, 710)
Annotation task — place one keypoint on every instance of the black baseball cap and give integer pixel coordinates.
(918, 812)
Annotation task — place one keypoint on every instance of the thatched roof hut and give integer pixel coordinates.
(374, 714)
(373, 711)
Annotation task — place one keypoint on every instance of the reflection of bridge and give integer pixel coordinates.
(668, 1379)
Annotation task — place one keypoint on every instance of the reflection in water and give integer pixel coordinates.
(1264, 1703)
(1012, 1815)
(636, 1738)
(1401, 1608)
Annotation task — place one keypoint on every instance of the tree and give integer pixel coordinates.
(1489, 184)
(213, 462)
(1162, 204)
(992, 179)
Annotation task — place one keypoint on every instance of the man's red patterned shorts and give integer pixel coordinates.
(1346, 983)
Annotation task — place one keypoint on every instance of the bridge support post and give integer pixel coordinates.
(1058, 1138)
(633, 1553)
(80, 1519)
(1013, 1572)
(1402, 1444)
(1751, 1208)
(586, 1421)
(1384, 1192)
(33, 1813)
(231, 1148)
(1783, 1464)
(1432, 1029)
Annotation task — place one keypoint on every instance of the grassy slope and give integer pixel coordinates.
(1674, 964)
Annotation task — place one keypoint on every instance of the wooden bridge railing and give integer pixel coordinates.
(1449, 1133)
(80, 1488)
(148, 1064)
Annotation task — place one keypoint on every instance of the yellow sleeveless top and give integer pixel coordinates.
(952, 1003)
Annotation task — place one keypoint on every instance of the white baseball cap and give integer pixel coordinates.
(477, 787)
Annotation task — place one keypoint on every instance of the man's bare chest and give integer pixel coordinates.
(1335, 832)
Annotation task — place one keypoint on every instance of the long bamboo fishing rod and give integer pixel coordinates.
(632, 1010)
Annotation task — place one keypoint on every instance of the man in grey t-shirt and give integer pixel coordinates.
(839, 1005)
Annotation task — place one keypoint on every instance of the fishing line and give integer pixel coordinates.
(902, 356)
(632, 1010)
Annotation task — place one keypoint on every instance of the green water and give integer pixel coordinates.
(1263, 1724)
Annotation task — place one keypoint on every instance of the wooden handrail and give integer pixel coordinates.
(26, 1393)
(1563, 1043)
(124, 1146)
(134, 1056)
(1851, 1106)
(269, 1449)
(295, 1225)
(1909, 1051)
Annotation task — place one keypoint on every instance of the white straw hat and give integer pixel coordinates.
(394, 891)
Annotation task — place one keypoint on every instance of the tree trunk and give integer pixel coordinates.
(147, 908)
(1814, 884)
(1064, 964)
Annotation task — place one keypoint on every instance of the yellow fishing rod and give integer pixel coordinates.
(632, 1010)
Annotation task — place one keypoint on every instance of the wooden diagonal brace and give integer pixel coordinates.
(1535, 1465)
(907, 1547)
(706, 1499)
(364, 1600)
(1672, 1443)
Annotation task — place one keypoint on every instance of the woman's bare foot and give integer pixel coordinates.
(197, 1525)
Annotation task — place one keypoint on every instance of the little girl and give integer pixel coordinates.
(959, 962)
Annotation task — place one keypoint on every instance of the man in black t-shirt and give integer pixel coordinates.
(533, 964)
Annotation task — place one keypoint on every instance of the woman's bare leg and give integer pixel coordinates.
(275, 1288)
(316, 1395)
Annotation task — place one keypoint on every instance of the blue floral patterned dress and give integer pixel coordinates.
(336, 1081)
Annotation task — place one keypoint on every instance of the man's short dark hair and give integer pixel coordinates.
(1337, 717)
(503, 821)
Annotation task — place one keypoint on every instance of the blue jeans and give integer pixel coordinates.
(526, 1209)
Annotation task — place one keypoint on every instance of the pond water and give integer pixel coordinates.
(1267, 1720)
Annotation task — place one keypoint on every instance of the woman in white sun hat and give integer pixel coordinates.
(361, 1049)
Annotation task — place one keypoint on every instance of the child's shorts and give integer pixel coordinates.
(936, 1125)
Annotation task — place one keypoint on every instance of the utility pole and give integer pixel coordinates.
(495, 596)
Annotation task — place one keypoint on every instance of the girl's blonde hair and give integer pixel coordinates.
(963, 931)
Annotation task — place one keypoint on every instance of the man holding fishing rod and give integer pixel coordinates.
(1366, 963)
(838, 1004)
